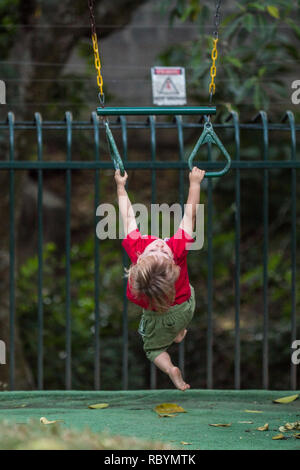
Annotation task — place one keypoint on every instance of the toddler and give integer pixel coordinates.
(158, 278)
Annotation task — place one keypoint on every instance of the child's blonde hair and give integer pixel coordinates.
(154, 276)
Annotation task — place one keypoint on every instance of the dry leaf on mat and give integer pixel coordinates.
(221, 425)
(168, 408)
(278, 437)
(286, 399)
(185, 443)
(297, 435)
(99, 406)
(252, 411)
(290, 427)
(265, 427)
(44, 420)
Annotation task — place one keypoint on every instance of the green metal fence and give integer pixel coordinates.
(260, 127)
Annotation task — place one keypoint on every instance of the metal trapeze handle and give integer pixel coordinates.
(113, 150)
(209, 136)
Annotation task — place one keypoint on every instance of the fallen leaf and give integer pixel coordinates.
(252, 411)
(278, 437)
(221, 425)
(99, 406)
(288, 399)
(167, 408)
(245, 422)
(265, 427)
(44, 420)
(290, 427)
(297, 435)
(186, 443)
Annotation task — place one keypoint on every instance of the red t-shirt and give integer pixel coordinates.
(135, 244)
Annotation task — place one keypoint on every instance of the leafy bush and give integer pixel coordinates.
(258, 49)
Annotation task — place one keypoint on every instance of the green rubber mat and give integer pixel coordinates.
(130, 413)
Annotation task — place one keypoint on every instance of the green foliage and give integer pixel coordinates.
(258, 48)
(279, 283)
(72, 90)
(82, 313)
(9, 19)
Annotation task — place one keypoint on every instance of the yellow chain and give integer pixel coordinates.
(97, 63)
(213, 69)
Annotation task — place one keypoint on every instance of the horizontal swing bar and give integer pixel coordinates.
(145, 165)
(156, 111)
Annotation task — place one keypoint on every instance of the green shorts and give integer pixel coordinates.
(159, 330)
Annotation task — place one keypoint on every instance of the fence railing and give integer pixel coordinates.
(260, 126)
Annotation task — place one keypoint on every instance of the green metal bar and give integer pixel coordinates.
(124, 126)
(157, 111)
(266, 257)
(68, 118)
(11, 121)
(178, 120)
(152, 123)
(151, 120)
(291, 119)
(125, 263)
(38, 121)
(146, 165)
(237, 346)
(179, 125)
(86, 125)
(263, 116)
(209, 228)
(97, 357)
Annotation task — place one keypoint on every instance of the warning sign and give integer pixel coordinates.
(168, 86)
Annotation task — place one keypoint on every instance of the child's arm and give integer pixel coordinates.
(188, 221)
(125, 206)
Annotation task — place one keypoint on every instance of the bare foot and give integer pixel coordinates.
(176, 377)
(180, 336)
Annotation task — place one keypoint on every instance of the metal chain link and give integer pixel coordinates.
(92, 17)
(96, 52)
(214, 53)
(217, 18)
